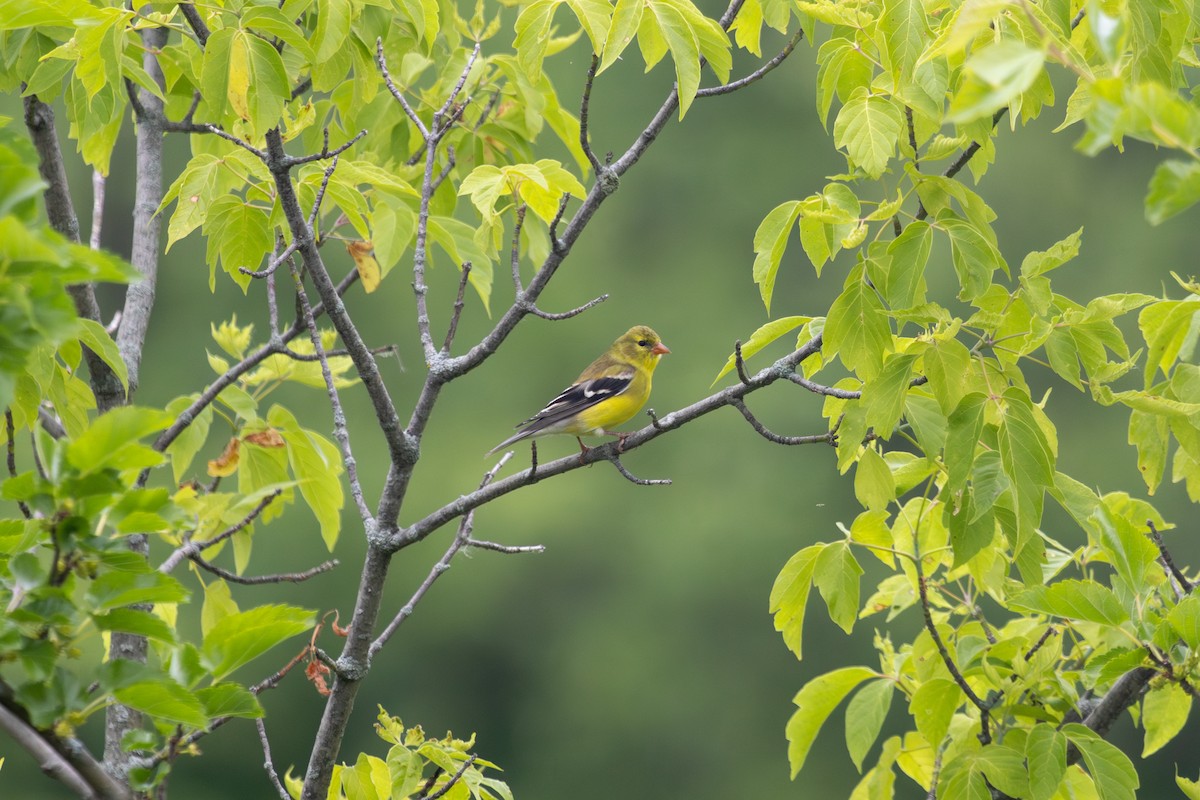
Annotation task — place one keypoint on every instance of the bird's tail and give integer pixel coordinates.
(516, 437)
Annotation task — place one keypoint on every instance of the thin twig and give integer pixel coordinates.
(1166, 560)
(229, 137)
(459, 304)
(561, 315)
(451, 161)
(740, 362)
(192, 547)
(584, 139)
(515, 253)
(556, 246)
(341, 431)
(274, 264)
(461, 540)
(511, 549)
(258, 580)
(455, 778)
(268, 764)
(387, 79)
(385, 350)
(629, 476)
(759, 73)
(829, 391)
(10, 430)
(295, 161)
(316, 209)
(771, 436)
(985, 735)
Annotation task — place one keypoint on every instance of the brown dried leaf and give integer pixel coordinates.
(316, 673)
(268, 438)
(227, 463)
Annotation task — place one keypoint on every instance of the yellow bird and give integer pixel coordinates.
(609, 392)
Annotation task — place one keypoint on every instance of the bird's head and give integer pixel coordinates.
(641, 344)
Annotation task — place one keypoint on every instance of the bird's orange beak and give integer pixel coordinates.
(660, 349)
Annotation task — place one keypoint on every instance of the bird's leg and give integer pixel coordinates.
(583, 450)
(621, 437)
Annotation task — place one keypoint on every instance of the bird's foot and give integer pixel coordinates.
(583, 450)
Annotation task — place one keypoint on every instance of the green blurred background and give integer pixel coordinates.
(635, 657)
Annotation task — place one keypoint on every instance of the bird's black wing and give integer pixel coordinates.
(577, 398)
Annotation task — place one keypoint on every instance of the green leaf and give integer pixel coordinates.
(1185, 620)
(132, 620)
(904, 287)
(874, 486)
(333, 28)
(770, 241)
(1046, 750)
(267, 86)
(189, 442)
(1028, 462)
(113, 440)
(868, 128)
(884, 396)
(815, 702)
(760, 339)
(239, 638)
(948, 365)
(1129, 550)
(836, 575)
(164, 700)
(114, 589)
(93, 335)
(856, 328)
(1165, 710)
(1112, 771)
(595, 16)
(932, 706)
(1188, 787)
(1174, 189)
(789, 596)
(239, 235)
(905, 30)
(317, 465)
(684, 46)
(1005, 769)
(974, 256)
(229, 700)
(963, 430)
(1040, 262)
(533, 34)
(871, 528)
(218, 604)
(626, 17)
(1150, 433)
(864, 717)
(997, 74)
(1073, 599)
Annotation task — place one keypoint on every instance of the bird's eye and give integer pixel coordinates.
(642, 342)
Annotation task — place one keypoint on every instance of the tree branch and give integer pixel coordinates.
(147, 223)
(39, 120)
(51, 763)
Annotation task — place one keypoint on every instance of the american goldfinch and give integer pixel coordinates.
(606, 394)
